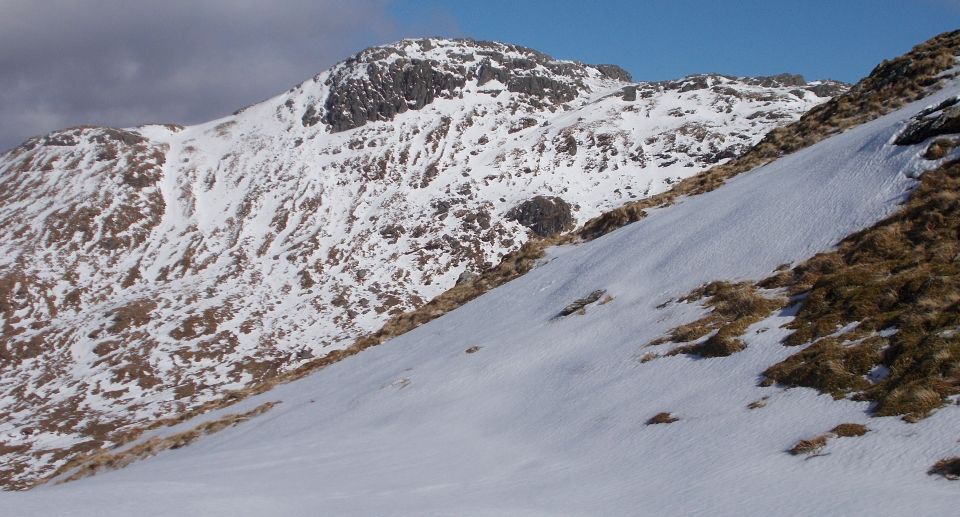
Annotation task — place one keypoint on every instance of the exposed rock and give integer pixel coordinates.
(467, 276)
(629, 93)
(487, 72)
(540, 86)
(579, 304)
(386, 91)
(614, 72)
(779, 80)
(827, 88)
(546, 216)
(928, 123)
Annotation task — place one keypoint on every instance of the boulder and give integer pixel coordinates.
(545, 216)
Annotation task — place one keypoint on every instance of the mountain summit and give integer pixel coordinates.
(145, 272)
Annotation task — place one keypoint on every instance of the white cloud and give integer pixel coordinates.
(121, 63)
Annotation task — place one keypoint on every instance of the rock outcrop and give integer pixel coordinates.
(545, 216)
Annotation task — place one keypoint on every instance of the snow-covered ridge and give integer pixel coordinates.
(501, 408)
(145, 271)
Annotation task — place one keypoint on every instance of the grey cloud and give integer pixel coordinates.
(122, 62)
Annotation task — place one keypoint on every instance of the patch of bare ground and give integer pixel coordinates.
(809, 446)
(662, 418)
(947, 467)
(848, 430)
(734, 307)
(898, 285)
(813, 446)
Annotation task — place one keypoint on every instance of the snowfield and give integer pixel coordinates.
(548, 416)
(144, 272)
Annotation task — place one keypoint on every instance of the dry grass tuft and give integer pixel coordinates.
(757, 404)
(734, 308)
(848, 430)
(472, 350)
(901, 276)
(948, 468)
(662, 418)
(810, 446)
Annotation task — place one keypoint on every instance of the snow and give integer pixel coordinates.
(547, 417)
(256, 199)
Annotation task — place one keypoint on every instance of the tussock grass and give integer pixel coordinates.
(662, 418)
(947, 467)
(734, 307)
(901, 276)
(848, 430)
(811, 446)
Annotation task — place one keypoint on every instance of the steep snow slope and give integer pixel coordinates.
(547, 416)
(145, 271)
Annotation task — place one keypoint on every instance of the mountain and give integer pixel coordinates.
(146, 272)
(782, 342)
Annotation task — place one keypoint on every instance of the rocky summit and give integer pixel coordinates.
(146, 271)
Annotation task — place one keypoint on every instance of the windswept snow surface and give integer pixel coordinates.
(547, 418)
(144, 272)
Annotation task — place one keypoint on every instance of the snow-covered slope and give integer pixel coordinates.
(546, 415)
(144, 271)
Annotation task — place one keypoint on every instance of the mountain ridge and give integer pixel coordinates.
(508, 404)
(149, 270)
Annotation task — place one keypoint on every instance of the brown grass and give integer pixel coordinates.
(734, 307)
(810, 446)
(947, 467)
(662, 418)
(848, 430)
(472, 350)
(902, 275)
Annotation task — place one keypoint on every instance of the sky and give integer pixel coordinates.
(124, 63)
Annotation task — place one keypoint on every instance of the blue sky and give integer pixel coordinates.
(661, 39)
(121, 63)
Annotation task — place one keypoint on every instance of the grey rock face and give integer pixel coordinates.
(579, 305)
(467, 276)
(392, 81)
(545, 216)
(828, 88)
(614, 72)
(386, 91)
(539, 86)
(778, 80)
(928, 123)
(488, 72)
